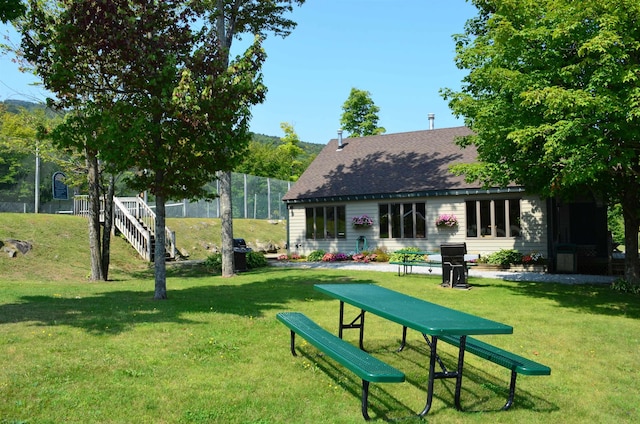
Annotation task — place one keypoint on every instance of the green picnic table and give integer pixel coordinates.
(430, 319)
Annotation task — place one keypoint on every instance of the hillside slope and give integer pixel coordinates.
(61, 247)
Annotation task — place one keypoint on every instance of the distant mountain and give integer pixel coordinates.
(14, 106)
(311, 149)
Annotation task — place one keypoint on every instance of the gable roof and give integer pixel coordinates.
(406, 164)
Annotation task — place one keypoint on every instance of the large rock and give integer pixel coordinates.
(11, 247)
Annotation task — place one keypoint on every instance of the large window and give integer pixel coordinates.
(493, 218)
(403, 220)
(326, 222)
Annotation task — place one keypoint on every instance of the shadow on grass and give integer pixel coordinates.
(381, 401)
(482, 392)
(591, 298)
(117, 311)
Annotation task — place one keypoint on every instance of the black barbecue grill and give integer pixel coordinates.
(454, 266)
(240, 251)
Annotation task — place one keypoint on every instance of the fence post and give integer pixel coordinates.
(268, 198)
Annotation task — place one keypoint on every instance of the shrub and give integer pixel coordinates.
(533, 258)
(213, 263)
(342, 257)
(256, 260)
(505, 257)
(364, 257)
(316, 256)
(398, 257)
(328, 257)
(381, 255)
(623, 286)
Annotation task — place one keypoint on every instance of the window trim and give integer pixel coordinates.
(506, 219)
(396, 213)
(339, 211)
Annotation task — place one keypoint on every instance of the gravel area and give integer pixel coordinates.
(503, 275)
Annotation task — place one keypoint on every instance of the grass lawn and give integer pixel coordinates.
(80, 352)
(214, 352)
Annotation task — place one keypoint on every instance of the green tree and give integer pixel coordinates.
(229, 19)
(553, 98)
(11, 9)
(22, 143)
(289, 151)
(149, 92)
(283, 158)
(360, 115)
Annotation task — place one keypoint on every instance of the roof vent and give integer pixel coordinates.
(432, 118)
(340, 139)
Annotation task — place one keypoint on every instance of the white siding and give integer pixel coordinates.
(532, 210)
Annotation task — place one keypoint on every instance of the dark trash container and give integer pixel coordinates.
(240, 251)
(454, 267)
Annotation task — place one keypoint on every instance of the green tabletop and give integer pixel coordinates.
(414, 313)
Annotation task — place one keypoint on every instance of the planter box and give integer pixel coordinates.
(528, 268)
(489, 267)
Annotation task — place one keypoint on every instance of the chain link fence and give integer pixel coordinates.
(252, 197)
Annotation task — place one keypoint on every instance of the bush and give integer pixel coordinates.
(381, 255)
(328, 257)
(316, 256)
(623, 286)
(256, 260)
(213, 263)
(399, 257)
(365, 257)
(505, 257)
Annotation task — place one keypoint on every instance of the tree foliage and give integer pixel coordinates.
(149, 90)
(229, 19)
(11, 9)
(360, 115)
(21, 139)
(553, 98)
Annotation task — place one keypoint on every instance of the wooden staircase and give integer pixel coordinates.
(136, 221)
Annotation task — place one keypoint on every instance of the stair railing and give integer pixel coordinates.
(142, 213)
(136, 221)
(133, 229)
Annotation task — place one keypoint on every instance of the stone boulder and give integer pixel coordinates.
(11, 247)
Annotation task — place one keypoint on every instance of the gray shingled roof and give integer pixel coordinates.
(411, 163)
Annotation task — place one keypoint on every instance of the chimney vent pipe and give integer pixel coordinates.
(432, 118)
(340, 139)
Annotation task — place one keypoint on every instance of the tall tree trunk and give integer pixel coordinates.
(630, 211)
(226, 215)
(159, 251)
(226, 207)
(93, 176)
(108, 226)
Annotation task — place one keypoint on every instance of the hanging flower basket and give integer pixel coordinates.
(362, 221)
(446, 221)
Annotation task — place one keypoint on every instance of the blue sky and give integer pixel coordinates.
(401, 51)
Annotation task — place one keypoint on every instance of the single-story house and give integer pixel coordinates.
(403, 184)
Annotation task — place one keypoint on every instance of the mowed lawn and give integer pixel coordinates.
(80, 352)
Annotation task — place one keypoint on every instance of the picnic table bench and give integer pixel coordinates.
(517, 364)
(365, 366)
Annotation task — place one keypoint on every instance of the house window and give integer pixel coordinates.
(403, 220)
(326, 222)
(493, 218)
